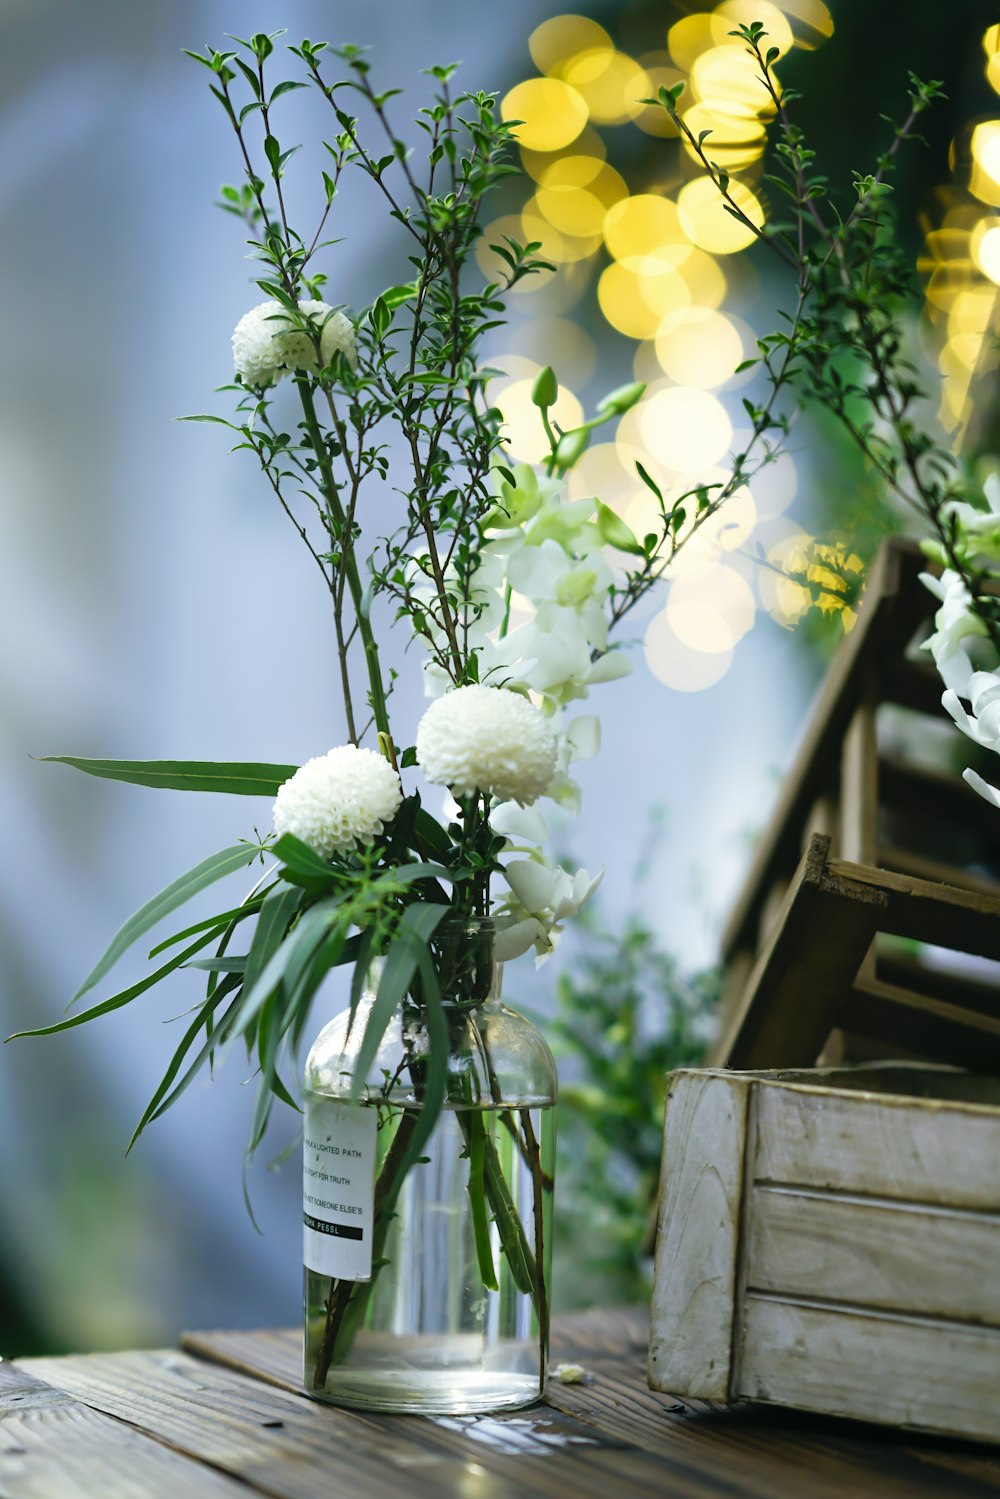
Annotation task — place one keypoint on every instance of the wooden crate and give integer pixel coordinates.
(830, 1241)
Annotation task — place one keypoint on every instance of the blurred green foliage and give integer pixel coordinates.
(625, 1016)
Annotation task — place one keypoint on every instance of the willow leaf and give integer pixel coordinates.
(417, 925)
(203, 874)
(202, 1019)
(236, 777)
(118, 1001)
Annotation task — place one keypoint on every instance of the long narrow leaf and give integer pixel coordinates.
(118, 1001)
(417, 925)
(221, 921)
(238, 778)
(202, 1019)
(285, 963)
(203, 874)
(276, 913)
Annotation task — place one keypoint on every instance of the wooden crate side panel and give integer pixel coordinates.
(926, 1375)
(875, 1253)
(921, 1151)
(697, 1248)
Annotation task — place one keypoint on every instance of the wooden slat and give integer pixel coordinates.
(697, 1245)
(289, 1447)
(968, 990)
(699, 1450)
(905, 861)
(789, 1005)
(872, 1253)
(919, 789)
(932, 1028)
(932, 1151)
(55, 1447)
(928, 1374)
(925, 910)
(889, 614)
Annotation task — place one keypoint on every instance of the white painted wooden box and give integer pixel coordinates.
(830, 1241)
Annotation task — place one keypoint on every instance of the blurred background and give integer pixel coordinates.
(154, 605)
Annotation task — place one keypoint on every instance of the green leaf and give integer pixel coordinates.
(217, 923)
(300, 858)
(286, 963)
(397, 295)
(118, 1001)
(203, 874)
(649, 482)
(417, 925)
(236, 778)
(275, 915)
(203, 1018)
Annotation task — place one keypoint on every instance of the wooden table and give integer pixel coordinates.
(223, 1416)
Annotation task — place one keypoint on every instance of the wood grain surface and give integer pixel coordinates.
(154, 1423)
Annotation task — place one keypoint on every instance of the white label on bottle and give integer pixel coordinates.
(338, 1188)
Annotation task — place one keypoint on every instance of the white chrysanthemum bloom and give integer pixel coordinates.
(487, 739)
(338, 800)
(266, 347)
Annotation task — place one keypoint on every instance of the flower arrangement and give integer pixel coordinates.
(388, 459)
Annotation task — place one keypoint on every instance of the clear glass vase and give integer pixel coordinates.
(428, 1290)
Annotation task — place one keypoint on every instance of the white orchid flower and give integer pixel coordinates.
(546, 575)
(981, 724)
(954, 623)
(546, 896)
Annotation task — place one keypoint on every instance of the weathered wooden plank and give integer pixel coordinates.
(874, 1253)
(759, 1453)
(932, 1028)
(54, 1447)
(818, 944)
(698, 1240)
(932, 1151)
(928, 1374)
(290, 1447)
(925, 910)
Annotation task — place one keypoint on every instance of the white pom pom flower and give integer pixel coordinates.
(487, 739)
(338, 800)
(266, 346)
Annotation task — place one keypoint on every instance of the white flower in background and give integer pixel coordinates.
(981, 724)
(266, 345)
(487, 739)
(977, 531)
(954, 623)
(338, 800)
(569, 593)
(542, 898)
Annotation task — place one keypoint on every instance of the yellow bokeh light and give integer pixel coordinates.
(971, 311)
(726, 76)
(523, 431)
(711, 613)
(985, 246)
(576, 192)
(646, 224)
(610, 83)
(738, 136)
(562, 37)
(635, 298)
(706, 281)
(732, 13)
(696, 346)
(811, 21)
(707, 222)
(686, 430)
(653, 118)
(677, 665)
(689, 37)
(563, 249)
(991, 46)
(984, 182)
(588, 144)
(552, 113)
